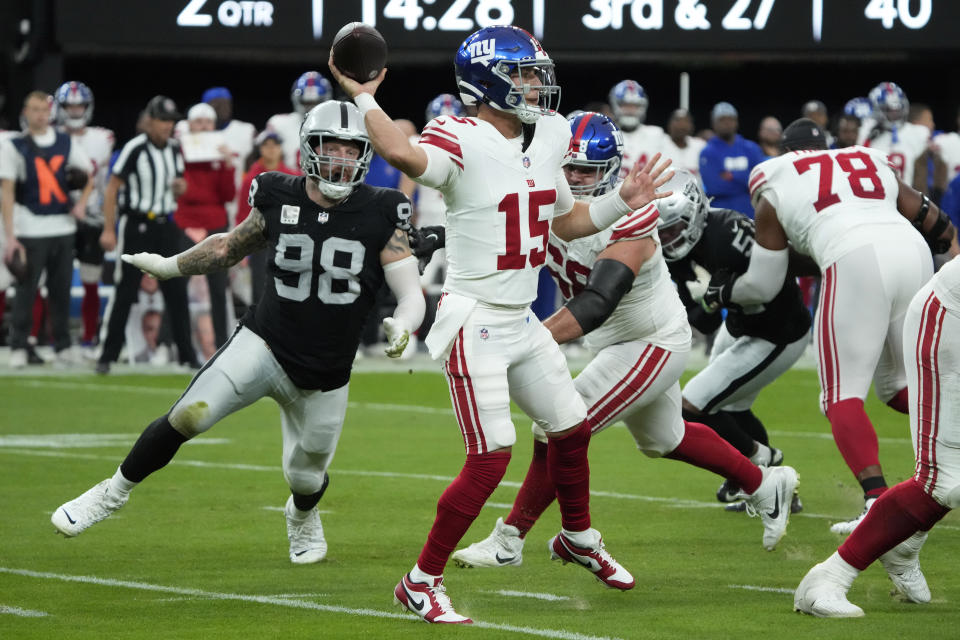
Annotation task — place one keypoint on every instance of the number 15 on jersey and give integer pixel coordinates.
(528, 215)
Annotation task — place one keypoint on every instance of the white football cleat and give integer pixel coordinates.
(307, 544)
(846, 528)
(429, 601)
(771, 501)
(503, 547)
(97, 503)
(823, 591)
(903, 566)
(593, 557)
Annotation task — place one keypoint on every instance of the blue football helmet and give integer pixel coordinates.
(859, 107)
(597, 146)
(71, 94)
(890, 104)
(683, 215)
(629, 94)
(484, 65)
(445, 104)
(309, 90)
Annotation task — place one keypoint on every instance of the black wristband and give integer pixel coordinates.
(922, 213)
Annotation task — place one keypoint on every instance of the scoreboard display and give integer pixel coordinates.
(230, 27)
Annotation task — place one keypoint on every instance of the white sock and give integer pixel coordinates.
(120, 485)
(763, 456)
(842, 569)
(587, 538)
(418, 575)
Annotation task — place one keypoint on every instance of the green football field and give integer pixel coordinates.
(200, 551)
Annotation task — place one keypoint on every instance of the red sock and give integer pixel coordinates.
(90, 310)
(39, 312)
(569, 471)
(459, 506)
(702, 447)
(854, 434)
(895, 516)
(900, 402)
(536, 493)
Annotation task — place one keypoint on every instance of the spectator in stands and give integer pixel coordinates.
(238, 136)
(269, 149)
(679, 144)
(848, 127)
(40, 220)
(929, 169)
(201, 209)
(150, 323)
(768, 136)
(726, 162)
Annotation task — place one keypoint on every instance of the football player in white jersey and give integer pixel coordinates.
(896, 527)
(680, 145)
(847, 210)
(501, 178)
(629, 102)
(309, 90)
(888, 130)
(947, 144)
(620, 297)
(74, 101)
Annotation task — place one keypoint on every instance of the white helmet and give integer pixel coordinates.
(335, 176)
(683, 215)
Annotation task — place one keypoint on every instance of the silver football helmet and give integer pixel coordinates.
(336, 176)
(683, 215)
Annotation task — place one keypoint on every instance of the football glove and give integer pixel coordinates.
(424, 241)
(397, 337)
(718, 291)
(153, 264)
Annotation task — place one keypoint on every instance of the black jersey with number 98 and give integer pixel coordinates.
(323, 273)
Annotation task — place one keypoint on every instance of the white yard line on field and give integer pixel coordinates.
(271, 508)
(527, 594)
(23, 613)
(753, 587)
(678, 503)
(286, 602)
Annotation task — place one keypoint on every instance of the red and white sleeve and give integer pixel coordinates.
(639, 224)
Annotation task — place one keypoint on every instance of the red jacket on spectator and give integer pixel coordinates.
(243, 206)
(209, 186)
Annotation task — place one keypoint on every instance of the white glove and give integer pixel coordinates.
(153, 264)
(397, 337)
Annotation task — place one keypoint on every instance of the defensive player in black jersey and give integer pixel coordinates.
(753, 346)
(333, 242)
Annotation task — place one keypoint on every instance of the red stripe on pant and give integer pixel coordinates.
(827, 356)
(630, 388)
(928, 385)
(464, 398)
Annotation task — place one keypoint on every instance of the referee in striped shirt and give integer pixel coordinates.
(151, 168)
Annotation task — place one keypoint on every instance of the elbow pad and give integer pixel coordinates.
(608, 282)
(938, 244)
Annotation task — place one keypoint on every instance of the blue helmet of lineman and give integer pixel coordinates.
(629, 103)
(890, 104)
(309, 90)
(487, 63)
(445, 104)
(859, 107)
(597, 147)
(67, 98)
(683, 215)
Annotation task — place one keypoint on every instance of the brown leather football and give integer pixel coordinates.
(17, 265)
(359, 51)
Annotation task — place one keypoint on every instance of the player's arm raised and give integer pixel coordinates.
(636, 191)
(389, 140)
(932, 223)
(403, 277)
(215, 253)
(610, 279)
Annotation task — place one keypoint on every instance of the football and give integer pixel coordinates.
(359, 51)
(17, 265)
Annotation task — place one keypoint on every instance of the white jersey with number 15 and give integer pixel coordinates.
(500, 202)
(831, 202)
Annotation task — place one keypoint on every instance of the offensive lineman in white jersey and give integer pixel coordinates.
(629, 102)
(619, 295)
(74, 111)
(847, 210)
(896, 527)
(500, 174)
(309, 90)
(888, 130)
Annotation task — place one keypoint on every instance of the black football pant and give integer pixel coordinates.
(135, 234)
(55, 256)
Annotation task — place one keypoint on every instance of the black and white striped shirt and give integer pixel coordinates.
(148, 172)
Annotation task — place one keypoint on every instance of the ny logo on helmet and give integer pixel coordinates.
(482, 51)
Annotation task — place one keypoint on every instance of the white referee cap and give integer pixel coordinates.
(201, 110)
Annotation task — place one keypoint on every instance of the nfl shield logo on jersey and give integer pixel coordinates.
(289, 214)
(484, 334)
(526, 162)
(323, 217)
